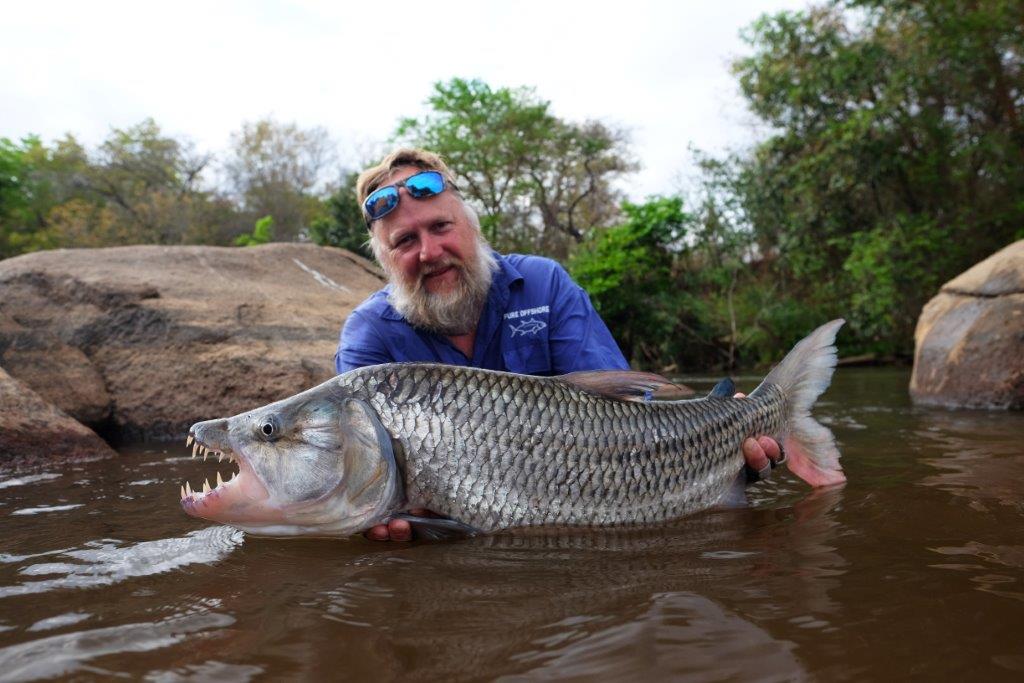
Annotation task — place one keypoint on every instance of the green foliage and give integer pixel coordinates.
(140, 186)
(627, 270)
(897, 159)
(540, 183)
(34, 179)
(14, 197)
(342, 224)
(262, 233)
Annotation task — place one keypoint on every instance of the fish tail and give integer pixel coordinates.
(802, 376)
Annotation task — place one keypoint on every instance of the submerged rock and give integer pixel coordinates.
(140, 342)
(35, 432)
(969, 341)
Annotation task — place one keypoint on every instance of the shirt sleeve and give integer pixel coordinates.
(578, 338)
(360, 345)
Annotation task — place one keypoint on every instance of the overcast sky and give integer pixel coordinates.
(200, 69)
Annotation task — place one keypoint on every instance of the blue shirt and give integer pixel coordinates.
(536, 321)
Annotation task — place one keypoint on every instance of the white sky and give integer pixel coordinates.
(201, 69)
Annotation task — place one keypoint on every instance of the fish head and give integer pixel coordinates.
(317, 464)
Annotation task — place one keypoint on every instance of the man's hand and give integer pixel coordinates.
(760, 453)
(395, 529)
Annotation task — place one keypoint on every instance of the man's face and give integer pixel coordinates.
(439, 265)
(426, 242)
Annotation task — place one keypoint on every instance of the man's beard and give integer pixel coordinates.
(451, 313)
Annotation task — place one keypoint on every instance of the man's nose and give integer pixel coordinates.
(430, 247)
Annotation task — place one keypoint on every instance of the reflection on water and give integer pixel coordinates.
(107, 578)
(103, 562)
(68, 652)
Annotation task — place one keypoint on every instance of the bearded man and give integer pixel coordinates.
(451, 299)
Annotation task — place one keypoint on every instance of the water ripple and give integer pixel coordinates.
(108, 564)
(65, 653)
(47, 508)
(29, 479)
(207, 671)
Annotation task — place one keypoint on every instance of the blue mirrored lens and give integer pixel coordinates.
(381, 202)
(425, 184)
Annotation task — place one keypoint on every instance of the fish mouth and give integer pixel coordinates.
(240, 489)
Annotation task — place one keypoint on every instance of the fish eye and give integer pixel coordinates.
(268, 428)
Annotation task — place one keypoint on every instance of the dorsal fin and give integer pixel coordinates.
(724, 389)
(627, 385)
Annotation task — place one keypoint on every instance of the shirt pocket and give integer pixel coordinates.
(531, 358)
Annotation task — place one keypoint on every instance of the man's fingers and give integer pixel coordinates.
(399, 530)
(755, 455)
(770, 447)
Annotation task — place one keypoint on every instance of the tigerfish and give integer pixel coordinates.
(495, 450)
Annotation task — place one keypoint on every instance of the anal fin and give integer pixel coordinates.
(736, 495)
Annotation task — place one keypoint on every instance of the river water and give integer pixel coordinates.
(913, 569)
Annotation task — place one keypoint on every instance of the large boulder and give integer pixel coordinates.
(140, 342)
(34, 432)
(969, 342)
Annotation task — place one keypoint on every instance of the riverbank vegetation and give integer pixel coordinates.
(893, 160)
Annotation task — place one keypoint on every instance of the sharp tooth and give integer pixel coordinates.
(188, 488)
(206, 485)
(204, 456)
(220, 480)
(188, 441)
(220, 456)
(195, 447)
(183, 492)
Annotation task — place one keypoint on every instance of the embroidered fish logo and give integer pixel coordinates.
(527, 327)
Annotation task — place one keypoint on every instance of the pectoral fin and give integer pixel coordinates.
(437, 528)
(627, 385)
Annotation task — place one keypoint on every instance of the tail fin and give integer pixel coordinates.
(803, 375)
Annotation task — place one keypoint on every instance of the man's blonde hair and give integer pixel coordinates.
(377, 176)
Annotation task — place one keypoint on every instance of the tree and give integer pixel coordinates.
(897, 157)
(151, 183)
(342, 224)
(14, 197)
(34, 179)
(540, 183)
(628, 271)
(277, 169)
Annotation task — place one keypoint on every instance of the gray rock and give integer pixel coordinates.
(969, 341)
(140, 342)
(34, 432)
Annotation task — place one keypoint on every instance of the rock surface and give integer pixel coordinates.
(969, 341)
(34, 432)
(140, 342)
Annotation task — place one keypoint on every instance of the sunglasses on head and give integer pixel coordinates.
(383, 200)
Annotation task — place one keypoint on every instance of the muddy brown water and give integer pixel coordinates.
(912, 570)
